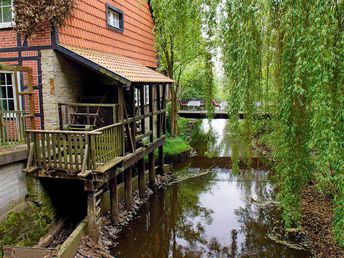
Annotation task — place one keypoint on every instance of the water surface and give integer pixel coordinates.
(220, 214)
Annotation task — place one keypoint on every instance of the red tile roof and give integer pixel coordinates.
(118, 67)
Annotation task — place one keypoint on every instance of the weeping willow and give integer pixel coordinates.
(242, 64)
(289, 54)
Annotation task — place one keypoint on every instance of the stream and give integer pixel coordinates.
(218, 214)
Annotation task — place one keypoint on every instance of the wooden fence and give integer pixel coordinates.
(12, 128)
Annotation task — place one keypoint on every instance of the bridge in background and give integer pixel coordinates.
(196, 109)
(199, 114)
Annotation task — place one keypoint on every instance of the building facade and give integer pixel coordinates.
(96, 105)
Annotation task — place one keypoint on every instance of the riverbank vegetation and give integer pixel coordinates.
(288, 56)
(282, 58)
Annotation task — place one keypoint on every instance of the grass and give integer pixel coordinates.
(176, 145)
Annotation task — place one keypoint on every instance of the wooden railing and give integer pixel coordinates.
(87, 114)
(75, 151)
(109, 144)
(12, 127)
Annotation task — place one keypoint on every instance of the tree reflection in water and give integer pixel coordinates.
(215, 215)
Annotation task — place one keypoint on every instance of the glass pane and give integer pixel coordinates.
(9, 78)
(11, 105)
(2, 79)
(7, 14)
(4, 104)
(10, 92)
(3, 92)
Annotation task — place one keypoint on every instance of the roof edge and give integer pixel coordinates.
(94, 66)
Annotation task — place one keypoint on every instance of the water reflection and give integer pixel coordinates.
(219, 214)
(216, 215)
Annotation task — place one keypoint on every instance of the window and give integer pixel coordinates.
(137, 97)
(115, 18)
(6, 13)
(7, 93)
(147, 94)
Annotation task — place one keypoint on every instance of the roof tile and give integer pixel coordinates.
(120, 66)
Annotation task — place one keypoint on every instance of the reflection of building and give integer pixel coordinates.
(91, 92)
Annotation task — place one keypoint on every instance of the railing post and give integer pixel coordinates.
(59, 105)
(93, 153)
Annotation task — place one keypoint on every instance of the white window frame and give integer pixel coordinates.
(14, 98)
(137, 97)
(114, 18)
(4, 25)
(146, 94)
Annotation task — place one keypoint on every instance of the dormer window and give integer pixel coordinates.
(115, 18)
(6, 13)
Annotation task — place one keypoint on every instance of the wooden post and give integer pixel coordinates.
(164, 108)
(159, 124)
(133, 128)
(113, 198)
(141, 176)
(159, 133)
(142, 106)
(92, 214)
(161, 160)
(151, 118)
(121, 109)
(151, 163)
(128, 188)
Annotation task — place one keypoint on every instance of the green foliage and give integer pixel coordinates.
(241, 47)
(181, 45)
(290, 56)
(176, 145)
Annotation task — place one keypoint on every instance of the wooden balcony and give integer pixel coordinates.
(75, 152)
(12, 128)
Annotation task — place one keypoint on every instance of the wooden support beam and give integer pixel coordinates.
(159, 122)
(92, 215)
(159, 131)
(161, 160)
(151, 118)
(142, 107)
(127, 126)
(114, 199)
(151, 163)
(128, 188)
(133, 125)
(164, 92)
(121, 108)
(141, 177)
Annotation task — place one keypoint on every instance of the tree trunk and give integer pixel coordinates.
(174, 114)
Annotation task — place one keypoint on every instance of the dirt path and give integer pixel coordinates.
(317, 216)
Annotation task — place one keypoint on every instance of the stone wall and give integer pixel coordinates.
(62, 80)
(13, 189)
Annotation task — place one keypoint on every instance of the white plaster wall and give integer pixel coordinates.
(12, 186)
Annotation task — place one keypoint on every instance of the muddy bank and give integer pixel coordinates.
(178, 158)
(317, 217)
(317, 222)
